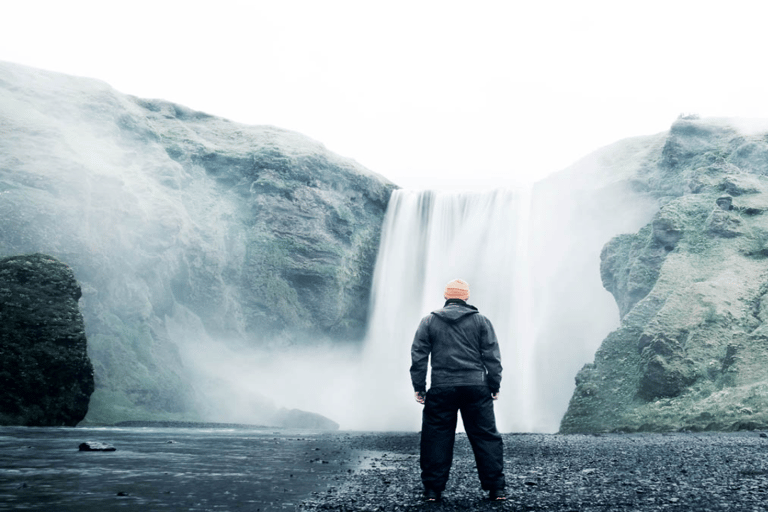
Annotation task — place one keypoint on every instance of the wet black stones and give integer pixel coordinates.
(96, 446)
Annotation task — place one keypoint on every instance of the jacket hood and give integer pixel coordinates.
(454, 311)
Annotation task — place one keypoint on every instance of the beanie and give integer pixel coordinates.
(457, 289)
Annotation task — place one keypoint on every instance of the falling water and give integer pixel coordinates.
(428, 239)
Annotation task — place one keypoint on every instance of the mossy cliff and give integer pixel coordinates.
(248, 235)
(691, 287)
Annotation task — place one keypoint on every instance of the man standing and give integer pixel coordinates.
(466, 376)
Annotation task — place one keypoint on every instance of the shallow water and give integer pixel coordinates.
(165, 468)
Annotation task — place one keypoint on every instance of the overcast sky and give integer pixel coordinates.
(434, 94)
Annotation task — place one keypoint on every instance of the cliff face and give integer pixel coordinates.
(46, 378)
(170, 217)
(691, 352)
(574, 213)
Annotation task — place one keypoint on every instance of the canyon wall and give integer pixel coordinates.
(690, 285)
(182, 228)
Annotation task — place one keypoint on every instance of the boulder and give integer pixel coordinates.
(96, 446)
(46, 377)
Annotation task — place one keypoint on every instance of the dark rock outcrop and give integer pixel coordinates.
(691, 352)
(46, 377)
(96, 446)
(186, 231)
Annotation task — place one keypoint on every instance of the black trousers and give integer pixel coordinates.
(438, 430)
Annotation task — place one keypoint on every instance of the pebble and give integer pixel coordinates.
(610, 472)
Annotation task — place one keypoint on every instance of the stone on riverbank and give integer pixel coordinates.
(96, 446)
(46, 377)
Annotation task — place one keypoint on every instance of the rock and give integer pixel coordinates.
(46, 377)
(740, 184)
(573, 214)
(96, 446)
(184, 230)
(725, 203)
(691, 353)
(724, 224)
(630, 264)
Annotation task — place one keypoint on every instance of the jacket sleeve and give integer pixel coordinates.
(420, 350)
(491, 355)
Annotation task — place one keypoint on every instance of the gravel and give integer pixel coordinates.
(612, 472)
(257, 470)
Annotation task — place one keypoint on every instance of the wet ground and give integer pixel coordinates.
(264, 470)
(166, 469)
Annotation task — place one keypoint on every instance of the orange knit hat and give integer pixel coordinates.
(457, 289)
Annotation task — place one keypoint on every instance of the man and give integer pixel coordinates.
(466, 376)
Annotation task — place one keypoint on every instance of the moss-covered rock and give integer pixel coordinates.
(46, 377)
(691, 352)
(251, 236)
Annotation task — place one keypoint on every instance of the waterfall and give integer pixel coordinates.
(428, 239)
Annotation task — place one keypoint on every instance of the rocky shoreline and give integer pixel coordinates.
(611, 472)
(251, 470)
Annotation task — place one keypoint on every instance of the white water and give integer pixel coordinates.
(428, 239)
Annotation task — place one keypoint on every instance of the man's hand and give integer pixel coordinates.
(420, 397)
(495, 395)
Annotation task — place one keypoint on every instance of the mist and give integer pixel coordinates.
(214, 258)
(232, 273)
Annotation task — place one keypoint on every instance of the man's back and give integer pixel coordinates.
(463, 345)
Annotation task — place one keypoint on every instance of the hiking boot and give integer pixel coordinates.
(431, 495)
(497, 495)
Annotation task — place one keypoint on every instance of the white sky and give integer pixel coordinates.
(430, 94)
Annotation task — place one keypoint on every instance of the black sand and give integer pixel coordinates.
(264, 470)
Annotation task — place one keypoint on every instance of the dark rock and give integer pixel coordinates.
(725, 203)
(46, 377)
(96, 446)
(665, 376)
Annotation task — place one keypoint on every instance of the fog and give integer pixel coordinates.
(428, 238)
(531, 257)
(159, 246)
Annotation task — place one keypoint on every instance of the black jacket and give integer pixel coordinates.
(463, 345)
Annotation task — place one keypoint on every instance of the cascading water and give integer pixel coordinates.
(428, 239)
